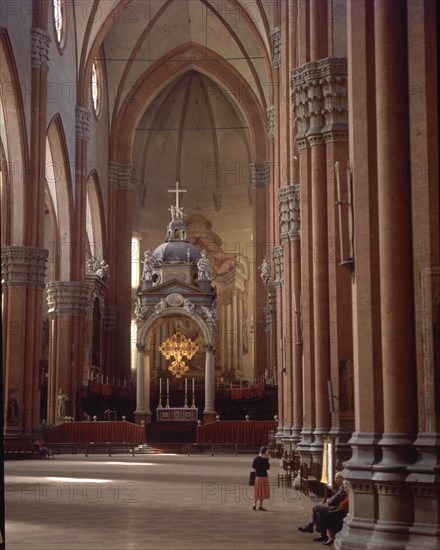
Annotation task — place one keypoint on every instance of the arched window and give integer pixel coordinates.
(96, 87)
(59, 19)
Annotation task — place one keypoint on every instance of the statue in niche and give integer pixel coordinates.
(204, 267)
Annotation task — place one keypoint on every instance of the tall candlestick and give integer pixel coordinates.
(193, 386)
(160, 386)
(168, 386)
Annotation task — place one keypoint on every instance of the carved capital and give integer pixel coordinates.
(272, 295)
(140, 347)
(270, 121)
(67, 297)
(82, 123)
(289, 212)
(40, 49)
(121, 176)
(267, 319)
(23, 266)
(320, 101)
(278, 257)
(275, 37)
(260, 174)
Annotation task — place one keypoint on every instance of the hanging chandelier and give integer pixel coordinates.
(178, 346)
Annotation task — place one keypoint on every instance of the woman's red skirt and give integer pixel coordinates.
(261, 488)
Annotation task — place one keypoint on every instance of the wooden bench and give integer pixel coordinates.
(19, 449)
(91, 447)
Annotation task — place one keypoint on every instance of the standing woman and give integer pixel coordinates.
(261, 487)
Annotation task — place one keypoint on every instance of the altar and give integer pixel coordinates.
(176, 414)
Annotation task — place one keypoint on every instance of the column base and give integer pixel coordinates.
(140, 416)
(359, 523)
(209, 417)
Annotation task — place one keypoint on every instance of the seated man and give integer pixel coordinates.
(321, 510)
(332, 522)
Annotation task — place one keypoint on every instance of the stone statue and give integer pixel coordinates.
(160, 306)
(147, 262)
(265, 271)
(188, 306)
(61, 403)
(173, 212)
(179, 212)
(204, 267)
(138, 311)
(103, 270)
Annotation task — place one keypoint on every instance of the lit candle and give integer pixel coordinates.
(186, 386)
(160, 386)
(168, 386)
(193, 386)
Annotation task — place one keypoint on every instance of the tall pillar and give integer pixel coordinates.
(396, 278)
(140, 412)
(209, 411)
(321, 327)
(235, 329)
(23, 270)
(120, 176)
(258, 189)
(334, 85)
(289, 198)
(147, 386)
(67, 302)
(367, 356)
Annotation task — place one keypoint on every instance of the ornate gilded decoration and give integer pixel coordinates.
(178, 346)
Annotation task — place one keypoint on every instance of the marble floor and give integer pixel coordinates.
(150, 501)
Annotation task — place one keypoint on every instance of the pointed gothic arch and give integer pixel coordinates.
(14, 145)
(58, 182)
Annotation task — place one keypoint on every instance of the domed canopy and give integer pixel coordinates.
(176, 252)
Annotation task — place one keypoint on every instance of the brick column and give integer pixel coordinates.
(396, 278)
(23, 270)
(260, 173)
(120, 255)
(67, 302)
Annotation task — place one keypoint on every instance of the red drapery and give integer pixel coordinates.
(109, 390)
(248, 432)
(97, 432)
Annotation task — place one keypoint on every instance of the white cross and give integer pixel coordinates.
(177, 191)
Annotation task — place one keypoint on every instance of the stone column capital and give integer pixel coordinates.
(278, 257)
(67, 297)
(270, 121)
(140, 347)
(82, 119)
(23, 265)
(275, 36)
(289, 212)
(40, 49)
(121, 176)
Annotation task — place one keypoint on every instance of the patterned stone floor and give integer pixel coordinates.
(148, 502)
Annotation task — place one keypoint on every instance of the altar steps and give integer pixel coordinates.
(171, 432)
